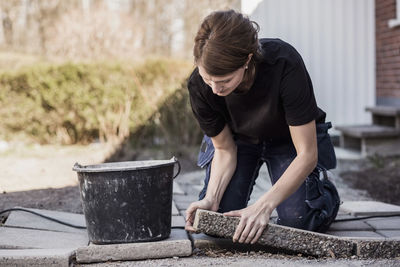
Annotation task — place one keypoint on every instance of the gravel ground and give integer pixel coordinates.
(249, 259)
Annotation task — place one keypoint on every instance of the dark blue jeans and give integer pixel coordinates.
(312, 207)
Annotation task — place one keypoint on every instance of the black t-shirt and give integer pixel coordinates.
(281, 95)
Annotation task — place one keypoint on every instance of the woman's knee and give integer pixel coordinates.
(319, 208)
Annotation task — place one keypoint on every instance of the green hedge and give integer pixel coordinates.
(78, 103)
(171, 126)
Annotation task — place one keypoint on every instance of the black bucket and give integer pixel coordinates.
(126, 202)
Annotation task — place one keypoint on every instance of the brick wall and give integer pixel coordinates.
(387, 53)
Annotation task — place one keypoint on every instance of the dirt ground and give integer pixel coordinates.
(381, 179)
(42, 177)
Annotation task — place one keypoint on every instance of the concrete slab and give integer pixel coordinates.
(198, 187)
(393, 234)
(174, 210)
(369, 208)
(36, 257)
(185, 198)
(177, 245)
(183, 205)
(305, 242)
(343, 212)
(378, 249)
(385, 223)
(177, 190)
(363, 234)
(277, 236)
(344, 216)
(27, 220)
(177, 221)
(203, 241)
(350, 226)
(183, 213)
(19, 238)
(263, 182)
(191, 178)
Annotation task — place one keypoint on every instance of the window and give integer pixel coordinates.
(395, 22)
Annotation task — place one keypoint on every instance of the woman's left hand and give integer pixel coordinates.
(253, 220)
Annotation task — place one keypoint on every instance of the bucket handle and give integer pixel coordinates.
(179, 167)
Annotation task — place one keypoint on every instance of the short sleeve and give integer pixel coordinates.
(209, 119)
(297, 93)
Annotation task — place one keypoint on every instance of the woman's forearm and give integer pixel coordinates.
(223, 166)
(289, 182)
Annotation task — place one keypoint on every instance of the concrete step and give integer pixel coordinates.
(369, 131)
(385, 116)
(371, 140)
(384, 110)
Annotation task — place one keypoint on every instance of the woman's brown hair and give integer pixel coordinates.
(224, 42)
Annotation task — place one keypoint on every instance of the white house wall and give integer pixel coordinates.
(337, 41)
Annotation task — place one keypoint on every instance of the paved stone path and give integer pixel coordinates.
(27, 240)
(292, 239)
(379, 228)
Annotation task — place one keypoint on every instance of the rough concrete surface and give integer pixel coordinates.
(277, 236)
(251, 261)
(177, 245)
(36, 257)
(301, 241)
(378, 248)
(19, 238)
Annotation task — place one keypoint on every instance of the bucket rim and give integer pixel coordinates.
(123, 165)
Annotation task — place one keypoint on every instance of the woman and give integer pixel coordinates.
(254, 100)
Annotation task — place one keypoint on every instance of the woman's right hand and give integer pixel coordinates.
(204, 204)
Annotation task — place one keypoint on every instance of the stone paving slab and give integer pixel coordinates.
(177, 245)
(385, 223)
(350, 225)
(365, 234)
(28, 220)
(36, 257)
(277, 236)
(394, 234)
(177, 190)
(185, 198)
(19, 238)
(183, 205)
(183, 213)
(198, 187)
(306, 242)
(368, 208)
(177, 221)
(191, 178)
(203, 241)
(174, 210)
